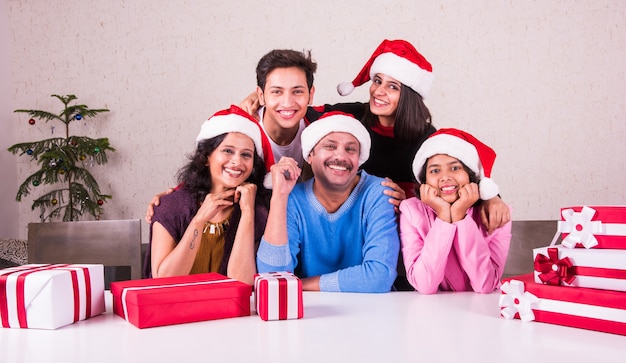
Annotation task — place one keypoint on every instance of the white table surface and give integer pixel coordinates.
(337, 327)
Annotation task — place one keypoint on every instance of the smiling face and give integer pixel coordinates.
(384, 98)
(335, 160)
(447, 175)
(286, 97)
(231, 163)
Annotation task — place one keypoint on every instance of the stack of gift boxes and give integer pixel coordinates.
(581, 282)
(50, 296)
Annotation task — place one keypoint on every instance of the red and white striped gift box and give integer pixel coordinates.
(593, 227)
(278, 296)
(578, 307)
(50, 296)
(578, 267)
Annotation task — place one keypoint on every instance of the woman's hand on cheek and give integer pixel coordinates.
(245, 195)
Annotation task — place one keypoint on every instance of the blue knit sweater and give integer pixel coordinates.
(354, 249)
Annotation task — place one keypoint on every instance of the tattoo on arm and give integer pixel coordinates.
(192, 244)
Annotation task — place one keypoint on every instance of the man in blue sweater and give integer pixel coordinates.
(336, 231)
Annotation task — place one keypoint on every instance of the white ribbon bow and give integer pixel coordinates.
(516, 300)
(580, 227)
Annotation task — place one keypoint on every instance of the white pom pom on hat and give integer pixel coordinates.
(397, 59)
(336, 122)
(234, 119)
(465, 147)
(345, 88)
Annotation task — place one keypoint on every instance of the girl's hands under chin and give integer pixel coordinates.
(430, 197)
(468, 195)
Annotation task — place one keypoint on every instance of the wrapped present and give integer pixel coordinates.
(593, 268)
(278, 296)
(593, 309)
(182, 299)
(593, 227)
(50, 296)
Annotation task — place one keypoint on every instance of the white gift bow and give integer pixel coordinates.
(580, 227)
(516, 300)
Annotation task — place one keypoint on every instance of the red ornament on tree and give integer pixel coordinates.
(31, 121)
(100, 202)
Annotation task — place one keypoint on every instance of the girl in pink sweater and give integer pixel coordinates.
(445, 246)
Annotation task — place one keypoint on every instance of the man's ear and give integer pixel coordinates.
(311, 94)
(259, 93)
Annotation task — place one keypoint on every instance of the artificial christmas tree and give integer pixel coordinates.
(64, 160)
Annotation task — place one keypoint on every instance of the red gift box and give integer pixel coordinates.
(593, 227)
(50, 296)
(593, 268)
(182, 299)
(278, 296)
(578, 307)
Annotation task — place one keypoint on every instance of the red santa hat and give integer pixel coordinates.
(336, 122)
(397, 59)
(235, 119)
(464, 147)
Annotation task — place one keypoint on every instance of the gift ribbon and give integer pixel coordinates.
(22, 315)
(609, 273)
(4, 310)
(555, 271)
(581, 229)
(552, 270)
(593, 316)
(517, 301)
(76, 290)
(125, 290)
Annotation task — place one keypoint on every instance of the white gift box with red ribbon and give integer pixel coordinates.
(593, 227)
(600, 310)
(278, 296)
(594, 268)
(50, 296)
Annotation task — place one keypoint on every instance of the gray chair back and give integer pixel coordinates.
(525, 236)
(113, 243)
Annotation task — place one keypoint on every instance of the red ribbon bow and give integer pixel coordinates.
(552, 270)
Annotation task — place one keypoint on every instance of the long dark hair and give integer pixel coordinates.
(196, 177)
(412, 117)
